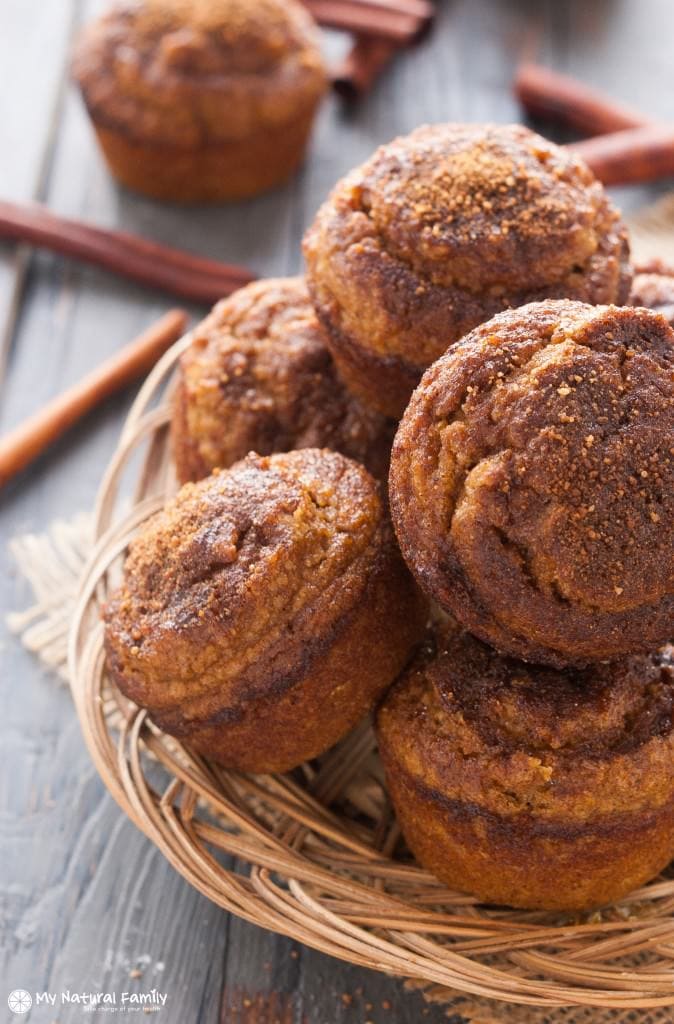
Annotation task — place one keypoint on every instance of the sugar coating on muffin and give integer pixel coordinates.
(531, 786)
(443, 228)
(248, 602)
(201, 100)
(532, 482)
(653, 287)
(258, 377)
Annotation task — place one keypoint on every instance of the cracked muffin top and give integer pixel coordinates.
(474, 207)
(258, 377)
(443, 228)
(653, 287)
(532, 482)
(512, 738)
(186, 72)
(241, 574)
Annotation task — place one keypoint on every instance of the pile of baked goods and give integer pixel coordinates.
(506, 601)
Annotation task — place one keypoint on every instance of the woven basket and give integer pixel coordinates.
(316, 854)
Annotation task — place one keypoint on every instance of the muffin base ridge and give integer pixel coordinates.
(525, 862)
(527, 786)
(382, 384)
(213, 173)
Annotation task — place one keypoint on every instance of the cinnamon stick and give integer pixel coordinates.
(632, 156)
(627, 148)
(419, 8)
(175, 271)
(549, 94)
(22, 445)
(371, 54)
(363, 64)
(397, 20)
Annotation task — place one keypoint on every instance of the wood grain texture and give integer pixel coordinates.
(27, 42)
(87, 902)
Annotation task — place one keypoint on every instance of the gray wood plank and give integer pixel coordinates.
(29, 109)
(86, 900)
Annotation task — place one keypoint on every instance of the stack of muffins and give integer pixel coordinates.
(467, 291)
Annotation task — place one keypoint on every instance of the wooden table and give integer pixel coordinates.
(87, 902)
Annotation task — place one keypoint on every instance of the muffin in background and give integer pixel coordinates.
(441, 229)
(258, 377)
(265, 610)
(201, 100)
(532, 787)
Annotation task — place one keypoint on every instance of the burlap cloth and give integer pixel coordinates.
(51, 562)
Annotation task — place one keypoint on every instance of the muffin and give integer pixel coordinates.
(201, 100)
(532, 482)
(258, 377)
(653, 286)
(265, 610)
(529, 786)
(440, 230)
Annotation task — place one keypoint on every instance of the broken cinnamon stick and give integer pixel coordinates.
(630, 157)
(549, 94)
(363, 64)
(399, 20)
(371, 54)
(627, 148)
(22, 445)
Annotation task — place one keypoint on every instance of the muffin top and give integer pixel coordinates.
(190, 72)
(532, 482)
(231, 587)
(445, 227)
(653, 287)
(258, 377)
(512, 738)
(476, 206)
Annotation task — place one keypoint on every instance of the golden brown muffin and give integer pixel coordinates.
(443, 228)
(201, 100)
(265, 610)
(529, 786)
(258, 377)
(532, 482)
(653, 287)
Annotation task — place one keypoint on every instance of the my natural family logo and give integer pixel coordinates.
(20, 1001)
